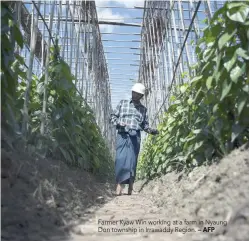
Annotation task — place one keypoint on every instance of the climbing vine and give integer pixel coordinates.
(73, 126)
(208, 116)
(11, 67)
(72, 133)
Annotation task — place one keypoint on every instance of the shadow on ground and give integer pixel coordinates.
(43, 199)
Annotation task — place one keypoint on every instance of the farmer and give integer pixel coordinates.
(130, 117)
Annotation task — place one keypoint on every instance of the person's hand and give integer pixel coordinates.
(121, 124)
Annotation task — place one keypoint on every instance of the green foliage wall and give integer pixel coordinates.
(72, 134)
(209, 116)
(10, 64)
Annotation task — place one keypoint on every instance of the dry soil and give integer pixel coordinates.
(44, 200)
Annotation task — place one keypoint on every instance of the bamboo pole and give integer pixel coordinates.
(87, 49)
(164, 68)
(184, 34)
(72, 32)
(65, 37)
(43, 41)
(34, 26)
(44, 107)
(77, 47)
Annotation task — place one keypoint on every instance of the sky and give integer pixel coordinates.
(122, 72)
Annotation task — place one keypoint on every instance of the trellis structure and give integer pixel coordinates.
(75, 24)
(169, 32)
(168, 38)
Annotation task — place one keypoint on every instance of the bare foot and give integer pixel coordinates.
(119, 190)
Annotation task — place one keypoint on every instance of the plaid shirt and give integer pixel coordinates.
(133, 116)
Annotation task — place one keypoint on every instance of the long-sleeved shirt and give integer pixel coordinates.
(134, 117)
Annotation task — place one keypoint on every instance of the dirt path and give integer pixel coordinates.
(44, 200)
(122, 213)
(116, 220)
(216, 195)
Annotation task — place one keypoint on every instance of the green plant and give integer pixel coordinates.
(72, 134)
(11, 68)
(71, 131)
(209, 116)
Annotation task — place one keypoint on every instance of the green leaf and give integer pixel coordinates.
(190, 139)
(199, 92)
(241, 104)
(216, 15)
(183, 88)
(23, 75)
(237, 72)
(196, 78)
(18, 36)
(209, 82)
(230, 63)
(216, 30)
(208, 53)
(212, 118)
(242, 53)
(210, 98)
(239, 15)
(190, 101)
(172, 98)
(217, 72)
(226, 87)
(223, 40)
(20, 59)
(197, 131)
(199, 119)
(66, 155)
(234, 5)
(198, 145)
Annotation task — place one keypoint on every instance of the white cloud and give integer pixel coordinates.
(101, 3)
(126, 3)
(106, 14)
(130, 3)
(106, 28)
